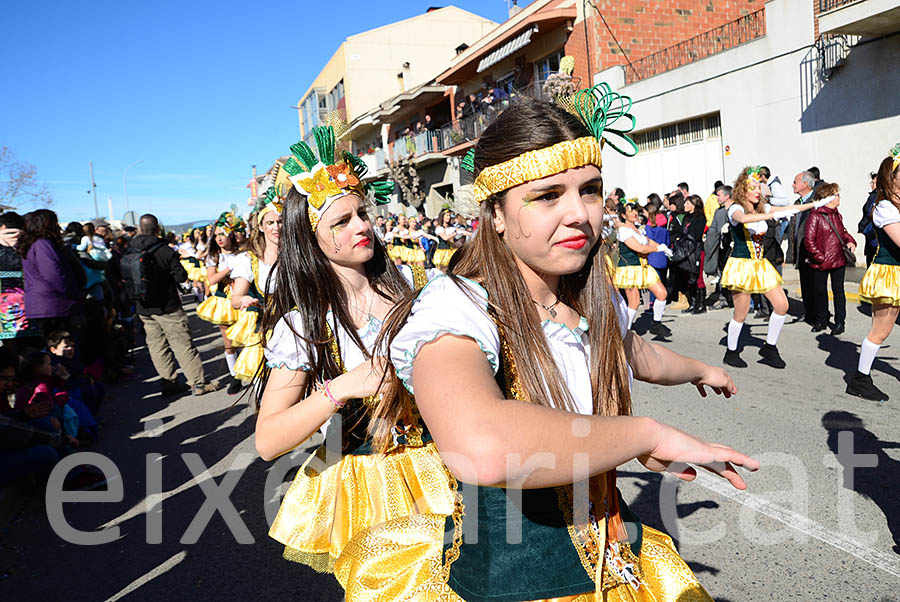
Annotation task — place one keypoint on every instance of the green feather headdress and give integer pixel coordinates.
(325, 175)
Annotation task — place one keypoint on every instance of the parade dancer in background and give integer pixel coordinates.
(634, 274)
(524, 334)
(253, 277)
(223, 255)
(881, 284)
(335, 285)
(445, 233)
(747, 271)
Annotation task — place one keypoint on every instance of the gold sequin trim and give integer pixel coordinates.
(537, 164)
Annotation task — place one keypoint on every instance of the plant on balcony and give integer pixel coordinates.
(558, 84)
(457, 136)
(404, 173)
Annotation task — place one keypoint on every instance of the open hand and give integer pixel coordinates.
(675, 451)
(716, 379)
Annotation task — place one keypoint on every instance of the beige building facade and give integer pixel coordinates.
(373, 66)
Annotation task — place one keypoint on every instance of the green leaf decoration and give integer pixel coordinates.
(271, 194)
(358, 165)
(468, 162)
(303, 156)
(325, 143)
(895, 152)
(292, 167)
(607, 115)
(381, 191)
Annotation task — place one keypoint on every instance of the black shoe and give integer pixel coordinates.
(819, 327)
(861, 385)
(659, 329)
(733, 358)
(173, 387)
(771, 357)
(762, 314)
(699, 304)
(234, 387)
(837, 329)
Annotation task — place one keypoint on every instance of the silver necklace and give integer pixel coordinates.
(549, 308)
(368, 312)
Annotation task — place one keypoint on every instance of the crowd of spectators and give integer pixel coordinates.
(68, 329)
(697, 231)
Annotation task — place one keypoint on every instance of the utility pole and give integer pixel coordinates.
(94, 189)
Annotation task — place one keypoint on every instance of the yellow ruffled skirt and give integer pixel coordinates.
(217, 310)
(243, 331)
(881, 285)
(750, 275)
(395, 252)
(402, 561)
(442, 257)
(408, 255)
(248, 362)
(635, 276)
(323, 511)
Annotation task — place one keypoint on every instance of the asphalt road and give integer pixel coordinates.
(804, 530)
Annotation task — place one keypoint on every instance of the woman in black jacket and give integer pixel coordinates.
(686, 235)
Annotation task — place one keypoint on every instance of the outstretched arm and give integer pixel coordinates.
(660, 366)
(487, 440)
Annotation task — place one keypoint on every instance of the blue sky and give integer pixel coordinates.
(199, 91)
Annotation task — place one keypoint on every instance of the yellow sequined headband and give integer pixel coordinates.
(537, 164)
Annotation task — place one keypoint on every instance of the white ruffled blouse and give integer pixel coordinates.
(243, 268)
(443, 308)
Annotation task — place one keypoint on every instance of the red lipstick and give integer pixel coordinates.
(573, 242)
(364, 242)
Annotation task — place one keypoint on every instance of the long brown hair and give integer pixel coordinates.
(884, 182)
(487, 260)
(305, 281)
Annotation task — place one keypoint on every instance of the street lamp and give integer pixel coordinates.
(125, 184)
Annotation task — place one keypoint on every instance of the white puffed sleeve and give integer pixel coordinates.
(284, 349)
(623, 234)
(885, 214)
(444, 308)
(242, 268)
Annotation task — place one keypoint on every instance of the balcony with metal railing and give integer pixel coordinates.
(725, 37)
(859, 17)
(466, 128)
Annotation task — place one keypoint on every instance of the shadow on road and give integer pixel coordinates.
(646, 506)
(216, 566)
(876, 482)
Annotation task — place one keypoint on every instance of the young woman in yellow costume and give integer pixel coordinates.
(223, 254)
(634, 274)
(881, 284)
(747, 272)
(254, 278)
(445, 232)
(334, 287)
(519, 363)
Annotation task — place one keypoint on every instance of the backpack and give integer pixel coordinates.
(138, 272)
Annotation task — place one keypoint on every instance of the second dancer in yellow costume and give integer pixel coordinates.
(335, 285)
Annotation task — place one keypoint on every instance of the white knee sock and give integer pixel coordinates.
(631, 314)
(230, 359)
(659, 306)
(775, 324)
(734, 333)
(867, 355)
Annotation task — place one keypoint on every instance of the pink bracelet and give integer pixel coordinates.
(325, 387)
